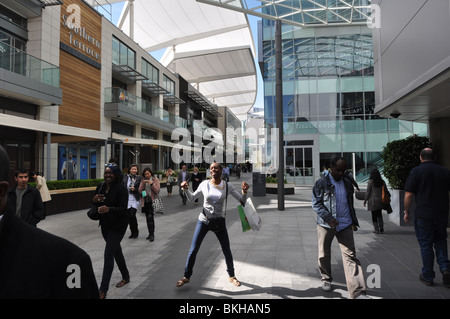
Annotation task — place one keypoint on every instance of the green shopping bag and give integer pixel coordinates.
(244, 221)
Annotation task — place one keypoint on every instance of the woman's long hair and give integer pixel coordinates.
(376, 177)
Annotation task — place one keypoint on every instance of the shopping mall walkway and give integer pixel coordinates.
(279, 261)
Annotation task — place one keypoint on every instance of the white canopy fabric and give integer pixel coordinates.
(211, 47)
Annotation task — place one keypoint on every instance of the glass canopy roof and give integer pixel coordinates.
(345, 55)
(302, 13)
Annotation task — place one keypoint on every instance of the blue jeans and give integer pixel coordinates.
(199, 234)
(432, 233)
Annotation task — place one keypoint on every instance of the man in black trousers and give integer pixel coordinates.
(35, 264)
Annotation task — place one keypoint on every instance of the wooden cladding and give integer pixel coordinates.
(80, 75)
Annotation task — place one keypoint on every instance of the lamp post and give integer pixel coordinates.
(279, 113)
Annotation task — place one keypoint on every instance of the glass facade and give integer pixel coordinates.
(328, 98)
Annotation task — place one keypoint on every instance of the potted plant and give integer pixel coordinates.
(272, 186)
(399, 158)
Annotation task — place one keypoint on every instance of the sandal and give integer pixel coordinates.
(234, 281)
(182, 281)
(122, 283)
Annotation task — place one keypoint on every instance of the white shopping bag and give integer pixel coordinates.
(252, 215)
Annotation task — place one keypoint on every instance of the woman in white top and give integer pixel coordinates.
(212, 218)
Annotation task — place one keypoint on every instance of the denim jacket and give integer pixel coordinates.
(324, 201)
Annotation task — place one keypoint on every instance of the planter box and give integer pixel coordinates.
(272, 188)
(66, 200)
(398, 206)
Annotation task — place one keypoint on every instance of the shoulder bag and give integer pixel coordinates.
(93, 212)
(158, 207)
(385, 195)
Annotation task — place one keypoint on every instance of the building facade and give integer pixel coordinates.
(328, 99)
(76, 91)
(412, 67)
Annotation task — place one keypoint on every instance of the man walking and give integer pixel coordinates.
(183, 176)
(428, 184)
(332, 200)
(26, 200)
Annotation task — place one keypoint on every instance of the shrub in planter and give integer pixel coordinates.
(76, 183)
(400, 157)
(273, 180)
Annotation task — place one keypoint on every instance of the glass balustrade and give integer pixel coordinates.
(118, 95)
(20, 62)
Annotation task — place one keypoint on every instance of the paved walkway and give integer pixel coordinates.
(278, 262)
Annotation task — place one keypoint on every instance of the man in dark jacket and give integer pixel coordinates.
(25, 200)
(332, 200)
(35, 264)
(428, 185)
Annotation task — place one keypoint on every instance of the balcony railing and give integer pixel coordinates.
(20, 62)
(118, 95)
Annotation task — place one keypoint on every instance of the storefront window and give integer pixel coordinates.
(75, 162)
(67, 163)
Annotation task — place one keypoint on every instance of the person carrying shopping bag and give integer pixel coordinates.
(212, 217)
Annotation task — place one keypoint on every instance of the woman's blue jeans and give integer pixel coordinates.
(432, 237)
(199, 234)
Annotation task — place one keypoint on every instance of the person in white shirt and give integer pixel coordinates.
(212, 218)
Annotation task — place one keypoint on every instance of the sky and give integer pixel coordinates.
(117, 9)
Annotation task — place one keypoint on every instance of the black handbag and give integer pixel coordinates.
(216, 224)
(93, 213)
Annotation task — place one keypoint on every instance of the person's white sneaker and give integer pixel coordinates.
(326, 286)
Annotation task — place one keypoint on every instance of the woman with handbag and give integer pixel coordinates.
(374, 200)
(149, 190)
(111, 198)
(212, 218)
(132, 182)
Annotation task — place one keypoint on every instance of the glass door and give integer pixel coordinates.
(299, 165)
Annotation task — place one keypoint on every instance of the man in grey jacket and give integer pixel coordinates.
(332, 200)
